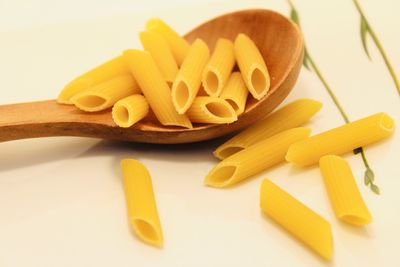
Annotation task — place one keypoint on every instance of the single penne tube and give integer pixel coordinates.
(179, 46)
(342, 139)
(219, 67)
(252, 66)
(110, 69)
(188, 79)
(106, 94)
(142, 209)
(292, 115)
(255, 158)
(235, 92)
(343, 192)
(295, 217)
(159, 49)
(129, 110)
(154, 88)
(207, 109)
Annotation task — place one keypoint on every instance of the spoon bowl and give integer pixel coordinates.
(278, 39)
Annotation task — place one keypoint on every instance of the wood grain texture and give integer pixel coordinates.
(279, 40)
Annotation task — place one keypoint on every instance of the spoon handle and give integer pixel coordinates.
(47, 118)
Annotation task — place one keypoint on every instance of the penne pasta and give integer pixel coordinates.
(129, 110)
(343, 192)
(188, 80)
(342, 139)
(156, 45)
(154, 88)
(297, 219)
(179, 46)
(252, 66)
(235, 92)
(292, 115)
(111, 69)
(219, 67)
(255, 158)
(141, 204)
(207, 109)
(106, 94)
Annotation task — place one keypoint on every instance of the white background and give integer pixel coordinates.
(62, 201)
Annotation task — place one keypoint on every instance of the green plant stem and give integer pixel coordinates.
(328, 89)
(379, 46)
(309, 59)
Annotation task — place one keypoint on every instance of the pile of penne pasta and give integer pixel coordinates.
(273, 140)
(180, 82)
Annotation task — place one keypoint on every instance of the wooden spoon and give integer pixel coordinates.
(278, 39)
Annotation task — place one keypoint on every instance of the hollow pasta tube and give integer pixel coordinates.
(252, 66)
(207, 109)
(219, 67)
(188, 79)
(108, 70)
(179, 46)
(254, 159)
(342, 139)
(235, 92)
(156, 45)
(129, 110)
(154, 88)
(343, 192)
(292, 115)
(141, 203)
(106, 94)
(299, 220)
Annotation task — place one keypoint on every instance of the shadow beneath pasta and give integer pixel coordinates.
(360, 231)
(283, 233)
(295, 170)
(193, 152)
(31, 152)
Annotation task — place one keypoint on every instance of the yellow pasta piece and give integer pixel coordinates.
(292, 115)
(111, 69)
(297, 219)
(179, 46)
(207, 109)
(342, 139)
(154, 88)
(106, 94)
(141, 204)
(188, 80)
(219, 67)
(255, 158)
(156, 45)
(252, 66)
(235, 92)
(343, 192)
(129, 110)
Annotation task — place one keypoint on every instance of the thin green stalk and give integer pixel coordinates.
(328, 89)
(368, 29)
(368, 174)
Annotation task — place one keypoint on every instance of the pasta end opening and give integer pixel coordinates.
(259, 82)
(221, 176)
(233, 104)
(182, 94)
(121, 115)
(228, 151)
(212, 83)
(89, 102)
(219, 110)
(387, 122)
(147, 232)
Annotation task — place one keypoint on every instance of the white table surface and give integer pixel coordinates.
(62, 201)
